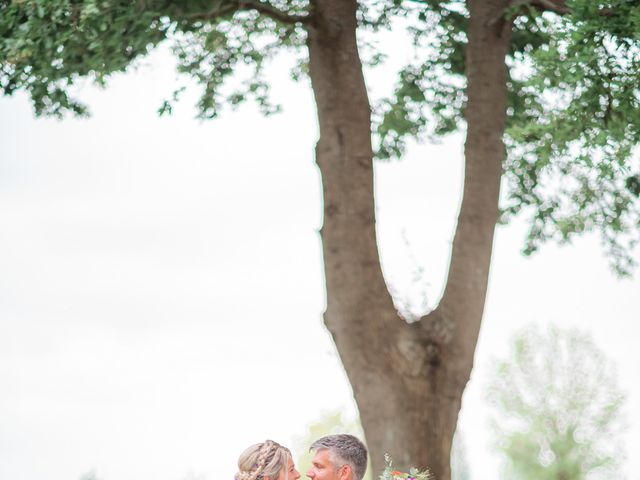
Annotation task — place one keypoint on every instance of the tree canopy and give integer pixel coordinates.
(574, 71)
(574, 106)
(46, 47)
(573, 115)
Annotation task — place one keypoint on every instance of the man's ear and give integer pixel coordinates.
(345, 473)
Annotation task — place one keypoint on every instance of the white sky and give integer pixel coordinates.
(161, 284)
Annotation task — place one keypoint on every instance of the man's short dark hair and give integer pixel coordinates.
(345, 449)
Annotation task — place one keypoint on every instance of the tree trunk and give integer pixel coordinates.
(407, 379)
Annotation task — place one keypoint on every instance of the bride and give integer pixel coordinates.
(266, 461)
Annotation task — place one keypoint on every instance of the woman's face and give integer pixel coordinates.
(291, 474)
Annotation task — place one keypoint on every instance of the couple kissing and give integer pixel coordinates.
(336, 457)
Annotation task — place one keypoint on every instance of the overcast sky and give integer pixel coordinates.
(161, 286)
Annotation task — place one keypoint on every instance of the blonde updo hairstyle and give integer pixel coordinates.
(266, 459)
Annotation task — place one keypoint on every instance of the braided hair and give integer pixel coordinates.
(266, 459)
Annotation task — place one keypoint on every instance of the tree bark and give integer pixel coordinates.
(407, 379)
(360, 313)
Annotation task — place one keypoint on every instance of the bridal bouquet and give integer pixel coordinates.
(390, 473)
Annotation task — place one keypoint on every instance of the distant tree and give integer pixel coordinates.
(557, 408)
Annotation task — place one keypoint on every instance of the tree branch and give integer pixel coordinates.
(212, 14)
(270, 11)
(556, 6)
(458, 316)
(261, 7)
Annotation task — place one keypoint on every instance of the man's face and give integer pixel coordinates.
(322, 468)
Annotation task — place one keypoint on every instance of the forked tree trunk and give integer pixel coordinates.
(407, 379)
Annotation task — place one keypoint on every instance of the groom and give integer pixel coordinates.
(338, 457)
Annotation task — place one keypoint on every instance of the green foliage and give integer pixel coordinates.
(573, 117)
(429, 98)
(572, 164)
(574, 103)
(557, 408)
(213, 52)
(46, 47)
